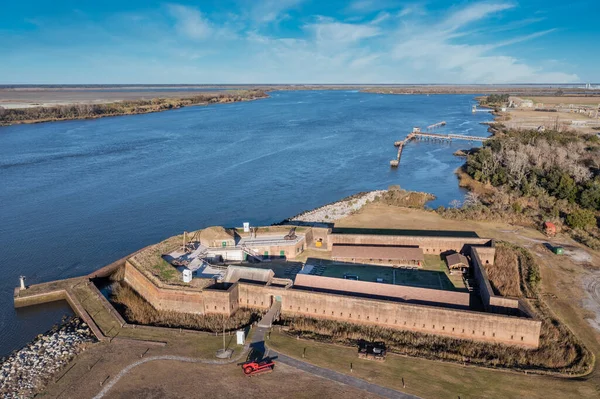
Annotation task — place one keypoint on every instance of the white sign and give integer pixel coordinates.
(246, 227)
(241, 337)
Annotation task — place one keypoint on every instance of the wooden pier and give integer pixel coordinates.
(449, 137)
(417, 134)
(439, 124)
(475, 109)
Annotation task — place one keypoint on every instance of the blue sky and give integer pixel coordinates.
(299, 41)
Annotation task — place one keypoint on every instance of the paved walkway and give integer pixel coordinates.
(341, 378)
(267, 320)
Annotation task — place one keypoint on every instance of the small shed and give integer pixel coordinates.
(457, 262)
(550, 229)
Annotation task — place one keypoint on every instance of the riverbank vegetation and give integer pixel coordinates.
(396, 196)
(137, 310)
(128, 107)
(559, 352)
(527, 177)
(494, 99)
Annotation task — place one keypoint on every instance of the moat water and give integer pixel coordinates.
(77, 195)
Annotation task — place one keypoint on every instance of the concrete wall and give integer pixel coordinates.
(430, 245)
(424, 295)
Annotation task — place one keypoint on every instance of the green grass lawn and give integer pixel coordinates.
(432, 379)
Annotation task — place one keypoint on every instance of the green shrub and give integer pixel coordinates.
(581, 219)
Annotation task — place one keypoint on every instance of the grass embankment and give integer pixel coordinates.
(136, 310)
(559, 351)
(430, 379)
(129, 107)
(150, 262)
(504, 273)
(396, 196)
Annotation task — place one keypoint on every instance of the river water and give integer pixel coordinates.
(77, 195)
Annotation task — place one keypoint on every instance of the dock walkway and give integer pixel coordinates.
(417, 134)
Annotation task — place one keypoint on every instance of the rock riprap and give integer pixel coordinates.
(338, 210)
(26, 371)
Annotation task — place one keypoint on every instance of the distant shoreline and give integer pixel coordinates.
(93, 110)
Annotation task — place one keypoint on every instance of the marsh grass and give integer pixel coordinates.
(504, 273)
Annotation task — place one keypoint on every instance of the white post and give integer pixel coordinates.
(22, 281)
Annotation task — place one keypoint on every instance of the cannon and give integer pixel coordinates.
(291, 235)
(254, 368)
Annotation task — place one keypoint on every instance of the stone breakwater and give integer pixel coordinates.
(340, 209)
(28, 370)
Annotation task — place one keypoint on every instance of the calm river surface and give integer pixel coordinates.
(77, 195)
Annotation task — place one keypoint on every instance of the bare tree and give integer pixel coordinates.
(455, 204)
(471, 199)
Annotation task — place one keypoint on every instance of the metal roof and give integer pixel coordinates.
(457, 260)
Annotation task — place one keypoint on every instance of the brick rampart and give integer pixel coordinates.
(406, 293)
(180, 300)
(430, 245)
(297, 302)
(425, 319)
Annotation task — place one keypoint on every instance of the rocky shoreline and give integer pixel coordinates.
(337, 210)
(26, 371)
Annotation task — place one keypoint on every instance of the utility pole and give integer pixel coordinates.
(223, 333)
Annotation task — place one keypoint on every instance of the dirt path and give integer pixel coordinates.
(257, 349)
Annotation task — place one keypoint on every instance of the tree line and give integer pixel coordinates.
(127, 107)
(550, 175)
(497, 98)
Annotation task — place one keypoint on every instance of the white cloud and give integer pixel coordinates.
(329, 30)
(411, 9)
(405, 45)
(371, 5)
(272, 10)
(381, 17)
(190, 22)
(473, 13)
(430, 49)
